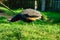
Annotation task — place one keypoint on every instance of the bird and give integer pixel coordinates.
(27, 15)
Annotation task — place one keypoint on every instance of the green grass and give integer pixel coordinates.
(37, 30)
(8, 12)
(29, 31)
(55, 16)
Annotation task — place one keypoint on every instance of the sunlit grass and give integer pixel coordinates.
(28, 31)
(37, 30)
(18, 10)
(8, 12)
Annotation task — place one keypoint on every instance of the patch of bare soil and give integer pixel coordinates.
(5, 15)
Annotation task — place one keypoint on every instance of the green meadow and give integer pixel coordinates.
(37, 30)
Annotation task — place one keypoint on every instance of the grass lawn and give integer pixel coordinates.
(37, 30)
